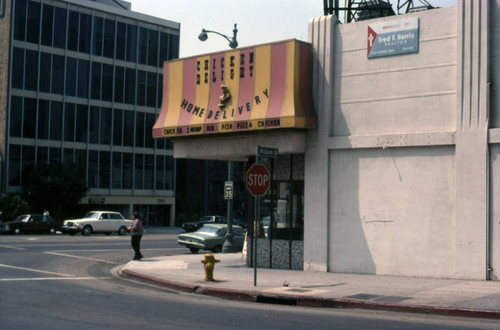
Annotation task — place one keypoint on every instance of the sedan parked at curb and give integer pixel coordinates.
(31, 223)
(211, 237)
(106, 222)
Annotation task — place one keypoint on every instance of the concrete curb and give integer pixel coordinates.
(295, 300)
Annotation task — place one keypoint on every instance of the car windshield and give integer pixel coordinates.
(206, 219)
(210, 230)
(23, 218)
(93, 215)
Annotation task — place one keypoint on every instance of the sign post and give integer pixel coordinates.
(258, 181)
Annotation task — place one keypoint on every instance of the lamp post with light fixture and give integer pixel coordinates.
(232, 41)
(228, 246)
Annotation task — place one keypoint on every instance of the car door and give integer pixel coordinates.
(104, 222)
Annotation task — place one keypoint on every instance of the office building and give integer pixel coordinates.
(81, 81)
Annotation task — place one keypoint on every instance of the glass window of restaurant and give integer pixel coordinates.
(282, 208)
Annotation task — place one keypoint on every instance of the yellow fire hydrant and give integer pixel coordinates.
(209, 262)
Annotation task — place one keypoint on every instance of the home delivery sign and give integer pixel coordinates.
(263, 87)
(393, 38)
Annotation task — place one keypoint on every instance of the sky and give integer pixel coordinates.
(258, 21)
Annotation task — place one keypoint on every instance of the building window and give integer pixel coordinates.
(84, 37)
(153, 48)
(141, 88)
(96, 81)
(14, 165)
(16, 116)
(116, 182)
(128, 128)
(47, 23)
(143, 45)
(81, 126)
(33, 28)
(106, 126)
(56, 120)
(18, 68)
(20, 20)
(130, 86)
(71, 69)
(104, 169)
(98, 36)
(107, 82)
(29, 125)
(57, 74)
(151, 90)
(45, 72)
(117, 127)
(127, 171)
(94, 125)
(83, 78)
(73, 25)
(69, 122)
(139, 129)
(119, 82)
(60, 28)
(148, 171)
(31, 70)
(43, 119)
(131, 43)
(138, 171)
(109, 38)
(121, 37)
(93, 170)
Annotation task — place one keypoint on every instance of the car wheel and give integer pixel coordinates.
(52, 230)
(122, 231)
(194, 250)
(218, 248)
(86, 231)
(17, 231)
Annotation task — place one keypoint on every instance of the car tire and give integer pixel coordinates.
(86, 231)
(218, 248)
(52, 230)
(17, 231)
(194, 250)
(122, 231)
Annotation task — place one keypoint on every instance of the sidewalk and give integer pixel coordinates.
(234, 280)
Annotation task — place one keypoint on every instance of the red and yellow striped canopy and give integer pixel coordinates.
(249, 89)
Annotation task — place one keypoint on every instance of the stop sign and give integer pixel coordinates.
(258, 179)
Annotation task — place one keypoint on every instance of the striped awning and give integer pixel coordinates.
(265, 87)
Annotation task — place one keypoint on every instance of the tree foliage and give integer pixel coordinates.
(13, 205)
(55, 187)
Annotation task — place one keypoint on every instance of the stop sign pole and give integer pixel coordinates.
(258, 182)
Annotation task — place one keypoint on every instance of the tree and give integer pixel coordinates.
(55, 187)
(13, 206)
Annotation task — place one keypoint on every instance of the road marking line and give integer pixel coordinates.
(78, 257)
(35, 270)
(12, 247)
(53, 278)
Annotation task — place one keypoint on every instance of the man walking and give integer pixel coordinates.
(136, 231)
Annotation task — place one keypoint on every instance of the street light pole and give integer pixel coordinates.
(228, 246)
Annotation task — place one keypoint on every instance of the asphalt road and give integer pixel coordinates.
(65, 282)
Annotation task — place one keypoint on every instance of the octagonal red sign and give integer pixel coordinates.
(258, 179)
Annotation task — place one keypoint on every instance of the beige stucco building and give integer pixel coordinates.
(402, 175)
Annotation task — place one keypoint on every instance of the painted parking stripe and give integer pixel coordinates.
(35, 270)
(79, 257)
(54, 279)
(12, 247)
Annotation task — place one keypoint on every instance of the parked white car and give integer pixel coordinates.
(97, 222)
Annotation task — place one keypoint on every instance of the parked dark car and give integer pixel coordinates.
(211, 236)
(194, 226)
(31, 223)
